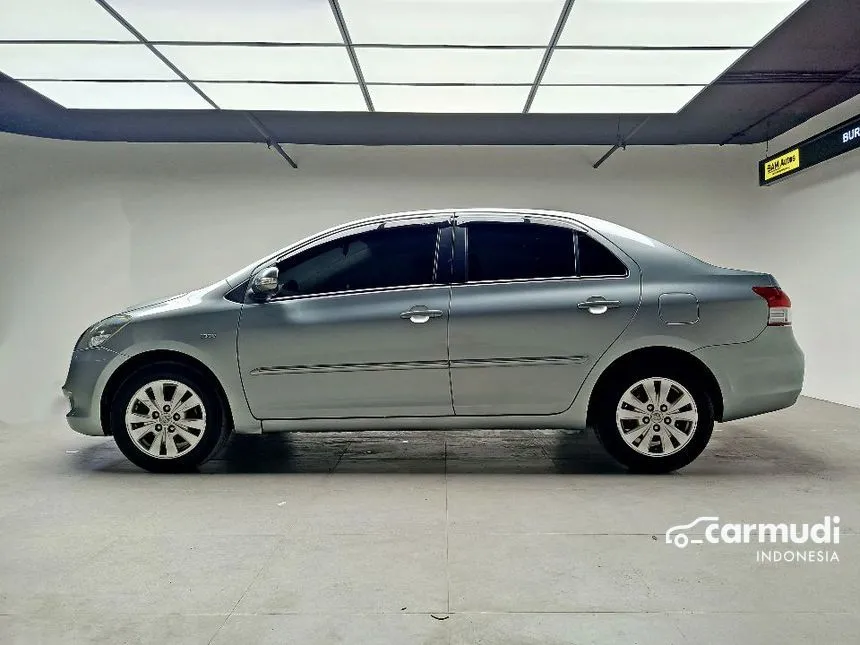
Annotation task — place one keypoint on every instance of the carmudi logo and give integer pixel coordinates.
(708, 529)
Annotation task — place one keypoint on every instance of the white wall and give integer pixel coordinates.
(809, 236)
(88, 228)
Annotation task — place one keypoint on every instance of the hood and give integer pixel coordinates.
(180, 301)
(153, 303)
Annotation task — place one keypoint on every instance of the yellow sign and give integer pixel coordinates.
(781, 165)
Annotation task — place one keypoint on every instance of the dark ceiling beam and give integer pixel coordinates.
(547, 55)
(350, 50)
(622, 143)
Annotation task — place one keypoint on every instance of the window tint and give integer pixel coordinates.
(596, 259)
(507, 251)
(395, 257)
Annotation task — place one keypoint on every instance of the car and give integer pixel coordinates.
(451, 319)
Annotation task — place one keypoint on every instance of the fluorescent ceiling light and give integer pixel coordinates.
(267, 96)
(301, 21)
(612, 99)
(53, 61)
(121, 96)
(456, 98)
(444, 65)
(645, 67)
(240, 63)
(58, 20)
(674, 23)
(451, 22)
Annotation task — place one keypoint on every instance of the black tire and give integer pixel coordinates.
(215, 432)
(609, 434)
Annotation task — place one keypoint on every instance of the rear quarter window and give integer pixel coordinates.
(596, 260)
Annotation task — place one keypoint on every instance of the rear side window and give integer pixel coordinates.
(595, 259)
(396, 257)
(518, 251)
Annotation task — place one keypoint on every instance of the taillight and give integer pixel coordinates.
(778, 305)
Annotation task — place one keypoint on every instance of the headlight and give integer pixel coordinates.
(101, 331)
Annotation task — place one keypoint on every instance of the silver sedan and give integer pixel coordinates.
(478, 318)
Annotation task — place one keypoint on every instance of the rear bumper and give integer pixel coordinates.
(762, 375)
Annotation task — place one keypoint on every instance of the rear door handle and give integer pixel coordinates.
(419, 314)
(598, 305)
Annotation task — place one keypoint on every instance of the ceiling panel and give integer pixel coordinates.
(286, 96)
(241, 63)
(58, 20)
(121, 96)
(612, 99)
(456, 98)
(748, 105)
(648, 67)
(55, 61)
(449, 65)
(301, 21)
(451, 22)
(675, 23)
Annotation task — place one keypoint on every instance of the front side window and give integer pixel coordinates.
(518, 251)
(395, 257)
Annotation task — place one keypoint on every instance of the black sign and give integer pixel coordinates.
(821, 147)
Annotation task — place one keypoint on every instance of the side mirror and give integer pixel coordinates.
(265, 283)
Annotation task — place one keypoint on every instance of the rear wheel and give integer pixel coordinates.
(655, 419)
(167, 417)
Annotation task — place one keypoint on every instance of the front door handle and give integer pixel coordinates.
(598, 305)
(419, 314)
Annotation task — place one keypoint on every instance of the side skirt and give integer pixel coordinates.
(527, 422)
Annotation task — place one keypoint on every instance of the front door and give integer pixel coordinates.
(358, 328)
(527, 323)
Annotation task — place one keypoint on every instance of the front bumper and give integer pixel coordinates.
(89, 371)
(762, 375)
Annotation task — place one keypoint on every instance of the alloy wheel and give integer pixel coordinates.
(657, 416)
(165, 419)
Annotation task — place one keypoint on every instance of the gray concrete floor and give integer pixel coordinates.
(509, 537)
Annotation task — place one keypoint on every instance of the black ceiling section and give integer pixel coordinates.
(809, 64)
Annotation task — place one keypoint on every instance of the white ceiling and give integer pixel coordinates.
(673, 23)
(274, 96)
(242, 63)
(451, 22)
(449, 65)
(612, 56)
(121, 95)
(300, 21)
(638, 67)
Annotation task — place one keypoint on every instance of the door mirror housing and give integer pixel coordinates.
(265, 283)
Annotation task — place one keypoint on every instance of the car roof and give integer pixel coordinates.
(620, 235)
(644, 250)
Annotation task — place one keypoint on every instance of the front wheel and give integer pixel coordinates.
(655, 423)
(167, 418)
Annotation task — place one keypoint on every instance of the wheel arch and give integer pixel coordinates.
(136, 362)
(660, 355)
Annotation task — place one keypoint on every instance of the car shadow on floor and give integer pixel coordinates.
(478, 452)
(496, 452)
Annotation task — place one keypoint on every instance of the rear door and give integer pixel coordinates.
(537, 303)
